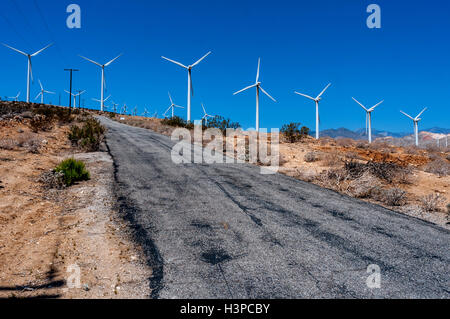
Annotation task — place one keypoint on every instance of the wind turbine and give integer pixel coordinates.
(155, 115)
(190, 87)
(42, 92)
(79, 97)
(102, 102)
(205, 117)
(30, 69)
(103, 85)
(416, 121)
(172, 106)
(145, 112)
(114, 104)
(368, 117)
(258, 87)
(316, 100)
(15, 98)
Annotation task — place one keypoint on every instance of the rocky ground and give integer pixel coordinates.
(48, 237)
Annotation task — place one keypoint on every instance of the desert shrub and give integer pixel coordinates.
(332, 178)
(8, 144)
(222, 124)
(385, 171)
(448, 210)
(293, 133)
(438, 167)
(391, 197)
(29, 142)
(174, 121)
(73, 170)
(331, 159)
(310, 157)
(362, 145)
(52, 180)
(41, 123)
(430, 203)
(365, 186)
(89, 136)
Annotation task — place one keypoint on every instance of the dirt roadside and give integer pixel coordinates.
(68, 243)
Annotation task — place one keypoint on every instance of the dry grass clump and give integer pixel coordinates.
(365, 186)
(384, 171)
(8, 144)
(391, 197)
(333, 179)
(430, 203)
(439, 167)
(311, 157)
(29, 142)
(52, 180)
(331, 159)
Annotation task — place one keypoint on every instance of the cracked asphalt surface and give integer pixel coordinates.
(226, 231)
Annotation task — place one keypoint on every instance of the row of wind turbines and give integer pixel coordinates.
(190, 92)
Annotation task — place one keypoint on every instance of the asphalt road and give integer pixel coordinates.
(226, 231)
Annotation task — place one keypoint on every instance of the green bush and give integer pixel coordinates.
(175, 121)
(293, 133)
(73, 170)
(89, 136)
(222, 124)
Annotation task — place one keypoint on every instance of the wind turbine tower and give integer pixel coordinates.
(30, 69)
(416, 121)
(103, 84)
(316, 100)
(258, 87)
(190, 87)
(368, 117)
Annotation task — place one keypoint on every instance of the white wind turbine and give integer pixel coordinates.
(368, 117)
(15, 98)
(205, 117)
(102, 66)
(42, 92)
(258, 87)
(172, 106)
(102, 102)
(190, 87)
(416, 121)
(30, 69)
(316, 100)
(75, 97)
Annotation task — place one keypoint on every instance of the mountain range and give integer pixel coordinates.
(360, 134)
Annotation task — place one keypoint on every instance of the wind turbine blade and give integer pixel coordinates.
(267, 94)
(36, 53)
(257, 72)
(201, 59)
(178, 63)
(38, 96)
(107, 64)
(244, 89)
(321, 93)
(204, 111)
(90, 61)
(407, 115)
(360, 105)
(49, 92)
(373, 107)
(170, 98)
(307, 96)
(40, 84)
(181, 107)
(417, 117)
(167, 110)
(15, 49)
(107, 98)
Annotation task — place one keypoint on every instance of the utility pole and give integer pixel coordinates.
(70, 95)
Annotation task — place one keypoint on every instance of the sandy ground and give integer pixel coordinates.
(47, 238)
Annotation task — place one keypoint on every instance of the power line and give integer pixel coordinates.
(14, 29)
(25, 19)
(50, 32)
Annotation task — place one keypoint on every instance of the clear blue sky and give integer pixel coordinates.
(303, 46)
